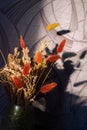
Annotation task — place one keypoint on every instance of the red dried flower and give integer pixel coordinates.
(26, 68)
(53, 58)
(17, 82)
(22, 42)
(46, 88)
(61, 46)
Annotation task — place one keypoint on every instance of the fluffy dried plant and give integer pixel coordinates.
(25, 77)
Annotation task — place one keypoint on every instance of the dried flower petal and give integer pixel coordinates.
(52, 26)
(22, 42)
(46, 88)
(53, 58)
(17, 82)
(61, 46)
(26, 68)
(38, 57)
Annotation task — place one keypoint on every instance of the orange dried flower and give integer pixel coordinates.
(46, 88)
(38, 57)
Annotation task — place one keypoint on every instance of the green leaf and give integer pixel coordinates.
(68, 55)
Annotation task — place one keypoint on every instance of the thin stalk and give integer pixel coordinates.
(3, 57)
(40, 77)
(47, 74)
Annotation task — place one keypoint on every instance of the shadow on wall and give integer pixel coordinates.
(64, 111)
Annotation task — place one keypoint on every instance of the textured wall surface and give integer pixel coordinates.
(29, 18)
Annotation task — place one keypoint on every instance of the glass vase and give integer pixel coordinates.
(18, 118)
